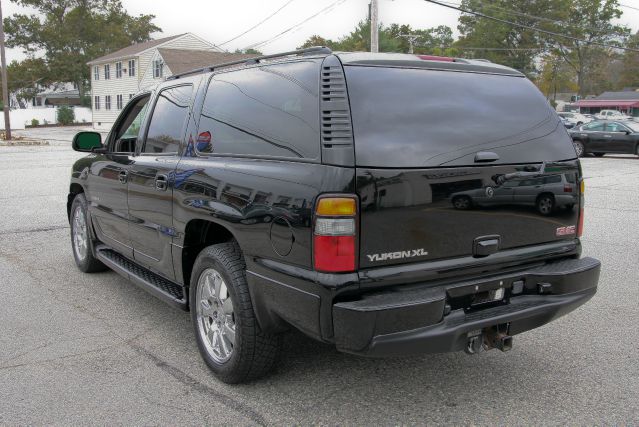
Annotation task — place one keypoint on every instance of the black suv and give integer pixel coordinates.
(313, 190)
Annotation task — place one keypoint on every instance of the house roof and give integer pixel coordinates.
(619, 96)
(134, 49)
(183, 60)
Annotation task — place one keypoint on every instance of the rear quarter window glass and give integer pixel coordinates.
(421, 118)
(263, 111)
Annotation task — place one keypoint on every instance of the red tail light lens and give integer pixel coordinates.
(334, 240)
(567, 188)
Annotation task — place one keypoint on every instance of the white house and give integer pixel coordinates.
(116, 77)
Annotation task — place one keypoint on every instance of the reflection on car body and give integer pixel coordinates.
(545, 193)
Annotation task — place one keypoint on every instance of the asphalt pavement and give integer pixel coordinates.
(94, 349)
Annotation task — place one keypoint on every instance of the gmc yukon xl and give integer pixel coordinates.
(321, 191)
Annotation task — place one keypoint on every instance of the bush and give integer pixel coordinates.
(65, 115)
(35, 122)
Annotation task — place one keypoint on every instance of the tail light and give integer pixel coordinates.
(567, 188)
(580, 224)
(335, 233)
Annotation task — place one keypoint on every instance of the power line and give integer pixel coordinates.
(324, 10)
(258, 24)
(539, 30)
(629, 7)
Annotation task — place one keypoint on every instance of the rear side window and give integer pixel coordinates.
(166, 129)
(425, 118)
(263, 111)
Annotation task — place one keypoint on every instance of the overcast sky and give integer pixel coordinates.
(220, 20)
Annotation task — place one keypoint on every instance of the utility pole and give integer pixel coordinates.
(374, 27)
(412, 38)
(5, 82)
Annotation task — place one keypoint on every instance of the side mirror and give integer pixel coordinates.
(86, 142)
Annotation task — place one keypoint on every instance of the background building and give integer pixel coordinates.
(626, 101)
(116, 77)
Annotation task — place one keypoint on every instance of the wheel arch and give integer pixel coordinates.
(74, 190)
(198, 234)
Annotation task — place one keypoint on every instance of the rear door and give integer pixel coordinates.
(151, 180)
(618, 138)
(423, 137)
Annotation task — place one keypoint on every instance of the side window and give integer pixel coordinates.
(595, 126)
(126, 132)
(553, 179)
(615, 127)
(271, 110)
(167, 122)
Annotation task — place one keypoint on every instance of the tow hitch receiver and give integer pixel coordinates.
(489, 338)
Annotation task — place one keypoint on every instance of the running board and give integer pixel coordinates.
(168, 291)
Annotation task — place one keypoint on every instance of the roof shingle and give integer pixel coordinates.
(134, 49)
(183, 60)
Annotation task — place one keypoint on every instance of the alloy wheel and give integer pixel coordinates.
(80, 236)
(215, 315)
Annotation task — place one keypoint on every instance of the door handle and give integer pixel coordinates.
(123, 177)
(161, 182)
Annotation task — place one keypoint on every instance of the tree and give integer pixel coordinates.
(27, 78)
(432, 41)
(593, 22)
(555, 76)
(504, 43)
(630, 71)
(70, 33)
(250, 51)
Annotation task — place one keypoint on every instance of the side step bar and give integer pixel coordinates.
(168, 291)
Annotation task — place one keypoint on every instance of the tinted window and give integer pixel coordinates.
(167, 122)
(417, 117)
(553, 179)
(265, 111)
(594, 126)
(615, 127)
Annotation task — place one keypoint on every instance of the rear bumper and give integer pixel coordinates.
(427, 319)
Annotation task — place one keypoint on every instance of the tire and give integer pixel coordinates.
(599, 154)
(545, 204)
(228, 336)
(81, 242)
(579, 148)
(637, 150)
(462, 203)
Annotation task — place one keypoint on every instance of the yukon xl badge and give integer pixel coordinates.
(397, 255)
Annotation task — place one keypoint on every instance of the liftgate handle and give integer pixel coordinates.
(161, 182)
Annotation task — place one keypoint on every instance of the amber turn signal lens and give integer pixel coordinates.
(583, 186)
(336, 206)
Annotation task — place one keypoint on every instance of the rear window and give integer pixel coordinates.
(422, 118)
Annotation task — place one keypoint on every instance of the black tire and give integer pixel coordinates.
(254, 352)
(599, 154)
(462, 203)
(87, 263)
(579, 148)
(545, 204)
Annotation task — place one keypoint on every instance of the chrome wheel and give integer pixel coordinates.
(215, 316)
(80, 235)
(579, 148)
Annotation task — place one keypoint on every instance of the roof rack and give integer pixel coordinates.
(256, 60)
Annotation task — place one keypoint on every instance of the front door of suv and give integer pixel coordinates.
(108, 177)
(151, 178)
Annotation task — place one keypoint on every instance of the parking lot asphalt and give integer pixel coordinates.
(94, 349)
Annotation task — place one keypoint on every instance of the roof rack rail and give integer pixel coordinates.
(256, 60)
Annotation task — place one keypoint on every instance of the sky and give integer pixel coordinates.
(221, 20)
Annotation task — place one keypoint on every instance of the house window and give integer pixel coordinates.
(118, 70)
(157, 68)
(107, 102)
(96, 102)
(131, 67)
(118, 102)
(96, 73)
(107, 72)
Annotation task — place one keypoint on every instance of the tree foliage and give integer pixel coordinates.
(67, 34)
(433, 40)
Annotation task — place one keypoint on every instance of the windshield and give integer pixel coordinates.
(416, 117)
